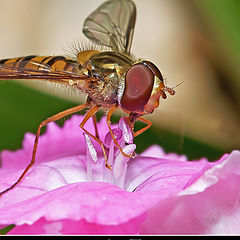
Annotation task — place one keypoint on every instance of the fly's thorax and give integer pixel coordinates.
(84, 56)
(108, 69)
(110, 62)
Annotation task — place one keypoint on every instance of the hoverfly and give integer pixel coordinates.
(110, 78)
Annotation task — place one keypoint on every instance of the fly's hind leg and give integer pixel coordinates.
(44, 123)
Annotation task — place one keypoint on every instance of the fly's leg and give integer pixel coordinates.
(95, 125)
(44, 123)
(149, 124)
(91, 113)
(110, 113)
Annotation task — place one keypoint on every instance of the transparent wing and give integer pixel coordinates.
(112, 25)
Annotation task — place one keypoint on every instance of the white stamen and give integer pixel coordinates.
(90, 148)
(120, 164)
(127, 134)
(91, 156)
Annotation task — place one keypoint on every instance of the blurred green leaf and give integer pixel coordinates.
(5, 230)
(172, 142)
(22, 110)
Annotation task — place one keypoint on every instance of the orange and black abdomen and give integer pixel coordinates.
(38, 63)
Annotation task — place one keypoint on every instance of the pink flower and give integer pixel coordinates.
(70, 191)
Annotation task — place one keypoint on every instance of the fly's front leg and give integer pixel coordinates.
(44, 123)
(149, 124)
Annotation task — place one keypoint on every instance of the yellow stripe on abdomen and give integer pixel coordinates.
(33, 62)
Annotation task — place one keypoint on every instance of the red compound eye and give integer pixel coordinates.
(138, 87)
(154, 69)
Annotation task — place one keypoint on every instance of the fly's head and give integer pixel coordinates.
(143, 88)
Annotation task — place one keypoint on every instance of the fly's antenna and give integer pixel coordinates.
(177, 85)
(171, 90)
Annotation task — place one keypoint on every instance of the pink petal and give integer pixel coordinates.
(43, 178)
(209, 206)
(99, 203)
(166, 193)
(68, 226)
(55, 143)
(161, 174)
(158, 152)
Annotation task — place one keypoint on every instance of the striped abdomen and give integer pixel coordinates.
(37, 63)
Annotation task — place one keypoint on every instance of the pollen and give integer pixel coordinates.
(71, 82)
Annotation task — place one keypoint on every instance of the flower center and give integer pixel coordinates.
(96, 170)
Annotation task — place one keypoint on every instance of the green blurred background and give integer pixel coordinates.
(194, 41)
